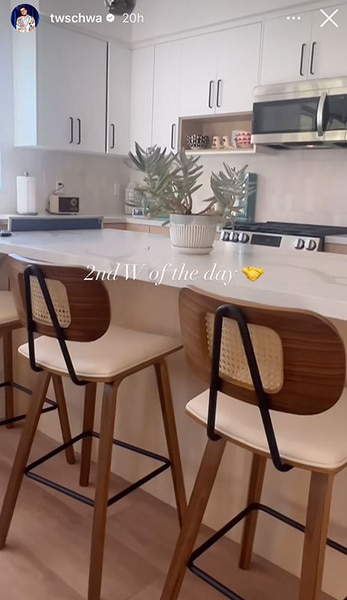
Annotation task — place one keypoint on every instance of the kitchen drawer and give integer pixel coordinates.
(121, 226)
(336, 248)
(135, 227)
(159, 229)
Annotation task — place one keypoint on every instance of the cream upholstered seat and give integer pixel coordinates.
(119, 350)
(276, 388)
(303, 440)
(71, 316)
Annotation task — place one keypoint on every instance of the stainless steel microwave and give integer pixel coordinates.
(310, 114)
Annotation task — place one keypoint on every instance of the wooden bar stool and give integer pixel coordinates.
(9, 321)
(73, 317)
(276, 381)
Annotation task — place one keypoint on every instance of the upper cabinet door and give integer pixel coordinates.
(238, 68)
(67, 90)
(142, 96)
(286, 49)
(219, 71)
(329, 43)
(166, 94)
(90, 75)
(119, 79)
(198, 85)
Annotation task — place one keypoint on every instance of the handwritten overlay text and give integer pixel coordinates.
(134, 271)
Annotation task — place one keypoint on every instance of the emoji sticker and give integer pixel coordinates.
(252, 273)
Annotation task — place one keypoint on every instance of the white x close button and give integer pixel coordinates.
(329, 18)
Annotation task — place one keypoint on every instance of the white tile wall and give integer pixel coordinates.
(308, 186)
(90, 177)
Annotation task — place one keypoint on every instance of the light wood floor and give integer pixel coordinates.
(46, 557)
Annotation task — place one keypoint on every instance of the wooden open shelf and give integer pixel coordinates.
(215, 125)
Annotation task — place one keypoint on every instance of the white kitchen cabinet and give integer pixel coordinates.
(166, 94)
(141, 111)
(286, 48)
(119, 80)
(198, 83)
(60, 90)
(219, 71)
(296, 47)
(238, 68)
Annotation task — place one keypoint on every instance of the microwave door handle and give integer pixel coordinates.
(320, 110)
(303, 48)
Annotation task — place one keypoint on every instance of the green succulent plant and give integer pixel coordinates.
(170, 180)
(230, 188)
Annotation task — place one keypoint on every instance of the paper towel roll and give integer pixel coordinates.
(26, 195)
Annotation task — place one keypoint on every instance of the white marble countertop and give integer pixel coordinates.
(119, 218)
(315, 281)
(122, 218)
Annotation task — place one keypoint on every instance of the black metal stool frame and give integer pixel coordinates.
(34, 270)
(231, 311)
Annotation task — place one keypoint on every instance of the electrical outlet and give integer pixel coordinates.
(59, 186)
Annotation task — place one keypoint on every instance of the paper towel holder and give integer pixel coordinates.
(26, 195)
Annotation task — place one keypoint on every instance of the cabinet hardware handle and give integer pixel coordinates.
(173, 135)
(210, 90)
(113, 143)
(219, 85)
(303, 48)
(71, 130)
(79, 131)
(314, 44)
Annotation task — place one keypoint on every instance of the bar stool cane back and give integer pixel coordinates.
(9, 321)
(276, 381)
(77, 340)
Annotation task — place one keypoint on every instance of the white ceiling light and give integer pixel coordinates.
(119, 7)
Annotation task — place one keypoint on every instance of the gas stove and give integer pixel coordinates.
(285, 236)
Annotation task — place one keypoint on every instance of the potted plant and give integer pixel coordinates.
(169, 182)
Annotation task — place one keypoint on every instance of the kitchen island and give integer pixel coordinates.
(301, 279)
(144, 275)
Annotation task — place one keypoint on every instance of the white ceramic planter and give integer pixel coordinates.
(193, 234)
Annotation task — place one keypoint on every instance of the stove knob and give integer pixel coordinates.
(244, 238)
(234, 237)
(299, 244)
(225, 236)
(311, 245)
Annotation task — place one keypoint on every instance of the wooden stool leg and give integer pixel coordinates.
(254, 495)
(316, 530)
(88, 423)
(7, 349)
(23, 451)
(194, 515)
(63, 417)
(102, 488)
(171, 437)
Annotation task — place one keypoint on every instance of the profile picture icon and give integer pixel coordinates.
(25, 18)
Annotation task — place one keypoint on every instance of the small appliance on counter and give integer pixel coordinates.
(63, 205)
